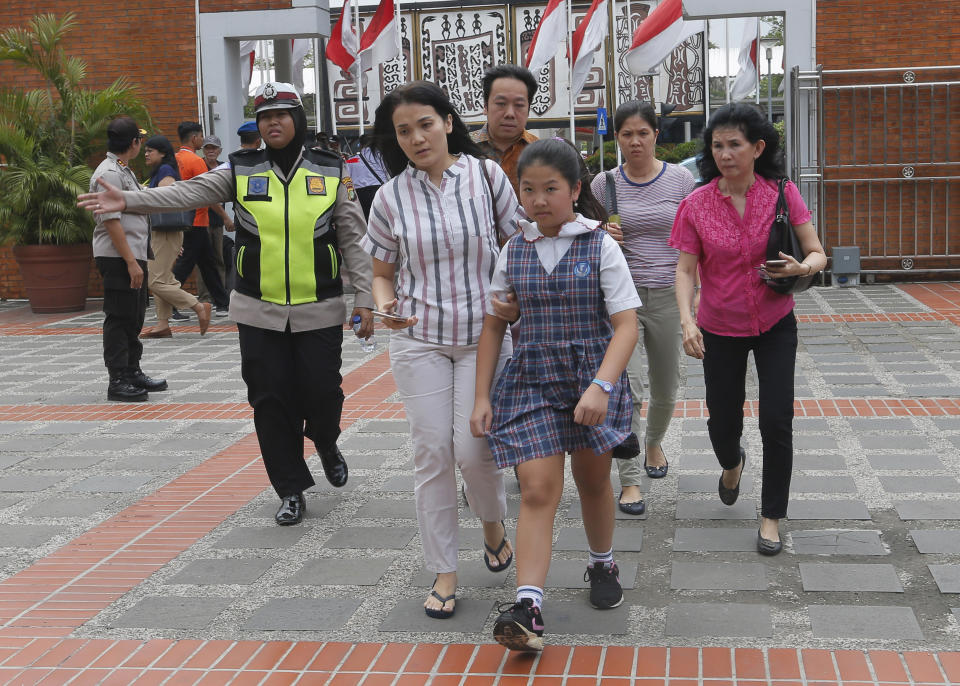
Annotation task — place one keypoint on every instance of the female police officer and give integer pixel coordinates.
(297, 219)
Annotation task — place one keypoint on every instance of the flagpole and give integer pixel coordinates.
(633, 79)
(614, 98)
(403, 66)
(726, 52)
(757, 61)
(356, 23)
(706, 72)
(331, 80)
(573, 131)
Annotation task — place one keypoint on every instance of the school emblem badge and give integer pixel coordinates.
(269, 92)
(316, 185)
(581, 269)
(258, 185)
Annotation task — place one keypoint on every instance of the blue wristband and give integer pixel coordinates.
(605, 385)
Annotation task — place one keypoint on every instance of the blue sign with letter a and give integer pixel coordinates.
(602, 121)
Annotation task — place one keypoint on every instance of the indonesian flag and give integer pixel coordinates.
(299, 47)
(381, 39)
(343, 46)
(550, 34)
(657, 36)
(586, 39)
(746, 79)
(248, 53)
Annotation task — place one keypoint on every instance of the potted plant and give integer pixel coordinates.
(47, 137)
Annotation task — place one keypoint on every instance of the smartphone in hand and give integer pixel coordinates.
(775, 263)
(389, 315)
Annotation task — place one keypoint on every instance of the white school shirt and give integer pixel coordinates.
(619, 292)
(445, 244)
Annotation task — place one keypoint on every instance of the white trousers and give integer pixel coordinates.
(436, 384)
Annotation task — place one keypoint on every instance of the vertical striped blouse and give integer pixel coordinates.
(445, 240)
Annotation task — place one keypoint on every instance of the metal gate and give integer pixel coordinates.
(878, 158)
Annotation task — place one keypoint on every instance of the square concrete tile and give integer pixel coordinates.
(28, 483)
(947, 577)
(261, 537)
(829, 576)
(366, 442)
(864, 622)
(30, 444)
(575, 511)
(27, 535)
(625, 539)
(720, 576)
(936, 541)
(212, 572)
(155, 612)
(925, 509)
(819, 463)
(398, 484)
(111, 483)
(715, 539)
(389, 538)
(814, 442)
(569, 574)
(153, 463)
(920, 484)
(699, 463)
(469, 538)
(391, 509)
(317, 507)
(6, 500)
(149, 428)
(190, 443)
(695, 442)
(822, 484)
(103, 444)
(408, 615)
(827, 510)
(470, 574)
(386, 426)
(837, 542)
(365, 461)
(10, 459)
(905, 462)
(335, 571)
(718, 619)
(323, 486)
(217, 427)
(64, 461)
(576, 617)
(707, 483)
(713, 509)
(303, 614)
(893, 442)
(68, 507)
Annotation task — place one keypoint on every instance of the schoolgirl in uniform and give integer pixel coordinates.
(564, 390)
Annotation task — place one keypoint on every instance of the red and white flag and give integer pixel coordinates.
(551, 33)
(343, 46)
(746, 80)
(380, 41)
(248, 53)
(586, 39)
(299, 48)
(657, 36)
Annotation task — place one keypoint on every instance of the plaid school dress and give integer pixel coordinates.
(564, 332)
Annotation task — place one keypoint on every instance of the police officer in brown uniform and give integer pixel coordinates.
(297, 224)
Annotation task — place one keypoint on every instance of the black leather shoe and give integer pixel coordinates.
(629, 449)
(636, 509)
(334, 466)
(656, 472)
(767, 547)
(140, 380)
(728, 496)
(291, 510)
(122, 390)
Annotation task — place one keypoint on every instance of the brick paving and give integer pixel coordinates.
(137, 544)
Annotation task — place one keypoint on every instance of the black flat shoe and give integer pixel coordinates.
(637, 508)
(291, 510)
(656, 472)
(767, 547)
(627, 450)
(140, 380)
(334, 466)
(728, 496)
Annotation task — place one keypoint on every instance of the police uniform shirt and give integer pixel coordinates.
(136, 227)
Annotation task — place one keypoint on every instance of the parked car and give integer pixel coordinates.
(691, 164)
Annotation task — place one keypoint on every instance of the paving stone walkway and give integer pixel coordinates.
(137, 543)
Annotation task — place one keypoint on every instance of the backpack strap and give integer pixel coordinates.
(493, 203)
(611, 192)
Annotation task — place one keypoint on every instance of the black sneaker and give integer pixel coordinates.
(605, 590)
(178, 316)
(520, 627)
(222, 311)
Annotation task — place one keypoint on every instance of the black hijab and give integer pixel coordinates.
(287, 156)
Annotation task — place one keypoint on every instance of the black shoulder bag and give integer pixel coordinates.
(783, 239)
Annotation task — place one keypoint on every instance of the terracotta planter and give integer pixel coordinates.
(55, 276)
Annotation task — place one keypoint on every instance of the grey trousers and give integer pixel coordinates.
(659, 322)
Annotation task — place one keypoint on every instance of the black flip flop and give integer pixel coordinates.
(496, 553)
(441, 613)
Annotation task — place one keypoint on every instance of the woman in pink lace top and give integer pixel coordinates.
(722, 229)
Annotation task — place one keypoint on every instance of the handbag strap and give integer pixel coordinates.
(611, 192)
(493, 203)
(783, 210)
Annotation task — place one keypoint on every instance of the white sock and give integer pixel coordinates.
(534, 593)
(601, 558)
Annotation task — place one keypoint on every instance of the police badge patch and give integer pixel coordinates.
(269, 92)
(348, 184)
(316, 185)
(258, 185)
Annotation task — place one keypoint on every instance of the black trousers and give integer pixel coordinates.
(724, 373)
(293, 385)
(125, 309)
(198, 252)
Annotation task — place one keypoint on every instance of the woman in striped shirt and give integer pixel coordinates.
(646, 193)
(434, 233)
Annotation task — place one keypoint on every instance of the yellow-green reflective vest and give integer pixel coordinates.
(286, 244)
